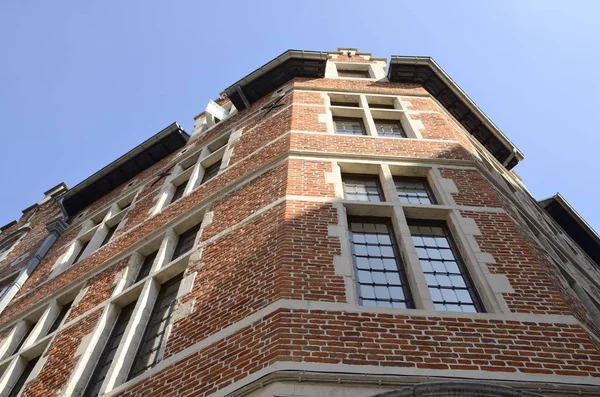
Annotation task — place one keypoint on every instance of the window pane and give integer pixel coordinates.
(83, 247)
(108, 354)
(146, 266)
(179, 190)
(211, 171)
(185, 242)
(380, 273)
(348, 126)
(413, 191)
(362, 188)
(448, 282)
(391, 128)
(148, 352)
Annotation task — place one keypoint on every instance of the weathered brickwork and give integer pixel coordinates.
(473, 189)
(534, 289)
(345, 144)
(273, 273)
(61, 359)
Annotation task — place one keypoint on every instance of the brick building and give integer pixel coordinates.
(335, 225)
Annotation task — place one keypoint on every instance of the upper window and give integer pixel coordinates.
(353, 73)
(447, 279)
(362, 188)
(84, 245)
(380, 272)
(414, 191)
(389, 128)
(185, 242)
(179, 190)
(211, 171)
(349, 126)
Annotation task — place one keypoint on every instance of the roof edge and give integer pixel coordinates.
(429, 61)
(558, 198)
(173, 127)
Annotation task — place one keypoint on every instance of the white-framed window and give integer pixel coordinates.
(354, 70)
(369, 115)
(96, 231)
(402, 241)
(193, 171)
(138, 317)
(29, 338)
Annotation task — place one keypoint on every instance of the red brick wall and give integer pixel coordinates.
(473, 189)
(61, 361)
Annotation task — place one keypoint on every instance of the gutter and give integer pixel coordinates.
(428, 61)
(127, 156)
(289, 54)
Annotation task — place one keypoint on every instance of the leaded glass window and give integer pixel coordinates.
(211, 171)
(146, 266)
(362, 188)
(109, 351)
(349, 126)
(414, 191)
(449, 284)
(185, 242)
(390, 128)
(148, 352)
(380, 272)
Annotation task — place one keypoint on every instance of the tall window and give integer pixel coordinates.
(380, 272)
(146, 266)
(179, 190)
(349, 126)
(18, 386)
(211, 171)
(185, 242)
(390, 128)
(449, 284)
(362, 188)
(414, 191)
(147, 355)
(109, 351)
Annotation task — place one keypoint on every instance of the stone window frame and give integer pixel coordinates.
(94, 230)
(445, 210)
(30, 338)
(191, 169)
(354, 67)
(144, 292)
(335, 109)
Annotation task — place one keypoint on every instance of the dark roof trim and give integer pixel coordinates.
(272, 75)
(143, 156)
(425, 71)
(573, 224)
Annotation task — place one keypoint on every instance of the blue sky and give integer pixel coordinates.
(83, 82)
